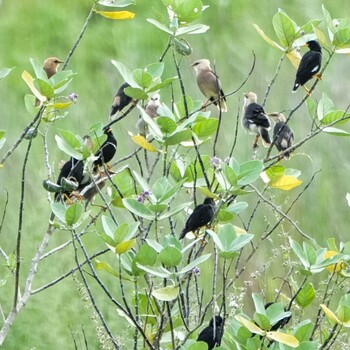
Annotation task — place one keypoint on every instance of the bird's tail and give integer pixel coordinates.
(264, 133)
(183, 234)
(222, 105)
(295, 87)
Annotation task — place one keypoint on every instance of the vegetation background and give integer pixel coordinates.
(40, 29)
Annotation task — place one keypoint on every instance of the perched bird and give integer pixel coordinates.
(106, 152)
(71, 170)
(51, 65)
(151, 109)
(212, 335)
(255, 120)
(202, 215)
(282, 133)
(120, 100)
(310, 64)
(209, 84)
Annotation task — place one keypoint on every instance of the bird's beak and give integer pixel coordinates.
(193, 64)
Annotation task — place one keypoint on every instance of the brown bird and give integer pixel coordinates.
(209, 84)
(51, 65)
(255, 120)
(151, 109)
(282, 133)
(120, 100)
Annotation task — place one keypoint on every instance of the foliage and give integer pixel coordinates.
(158, 284)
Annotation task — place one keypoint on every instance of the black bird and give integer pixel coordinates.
(255, 120)
(310, 64)
(107, 151)
(201, 215)
(209, 335)
(71, 170)
(120, 100)
(282, 133)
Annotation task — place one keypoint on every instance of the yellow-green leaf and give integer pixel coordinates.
(125, 246)
(116, 14)
(294, 57)
(330, 314)
(286, 183)
(267, 39)
(29, 80)
(142, 142)
(252, 327)
(283, 338)
(168, 293)
(61, 105)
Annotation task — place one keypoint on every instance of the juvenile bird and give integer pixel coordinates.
(310, 64)
(255, 120)
(120, 100)
(202, 215)
(51, 65)
(106, 152)
(282, 133)
(212, 335)
(151, 109)
(209, 84)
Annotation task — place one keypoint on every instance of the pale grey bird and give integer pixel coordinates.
(282, 133)
(209, 84)
(151, 109)
(255, 120)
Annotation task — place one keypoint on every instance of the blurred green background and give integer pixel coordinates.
(40, 29)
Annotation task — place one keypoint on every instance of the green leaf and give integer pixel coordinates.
(156, 271)
(194, 264)
(341, 38)
(38, 69)
(73, 213)
(178, 137)
(138, 208)
(324, 106)
(142, 78)
(229, 174)
(172, 191)
(310, 253)
(205, 127)
(285, 28)
(166, 124)
(168, 293)
(155, 69)
(303, 330)
(125, 232)
(187, 11)
(249, 172)
(170, 256)
(124, 72)
(193, 29)
(306, 295)
(161, 186)
(311, 107)
(343, 310)
(44, 88)
(262, 321)
(161, 85)
(64, 146)
(174, 210)
(59, 210)
(259, 304)
(5, 72)
(116, 3)
(160, 26)
(237, 207)
(332, 116)
(135, 93)
(267, 39)
(335, 131)
(145, 256)
(299, 252)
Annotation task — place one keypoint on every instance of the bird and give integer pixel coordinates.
(310, 64)
(212, 335)
(71, 170)
(152, 110)
(106, 152)
(255, 120)
(282, 133)
(120, 100)
(209, 84)
(51, 65)
(202, 215)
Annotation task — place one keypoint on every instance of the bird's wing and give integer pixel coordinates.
(310, 64)
(256, 115)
